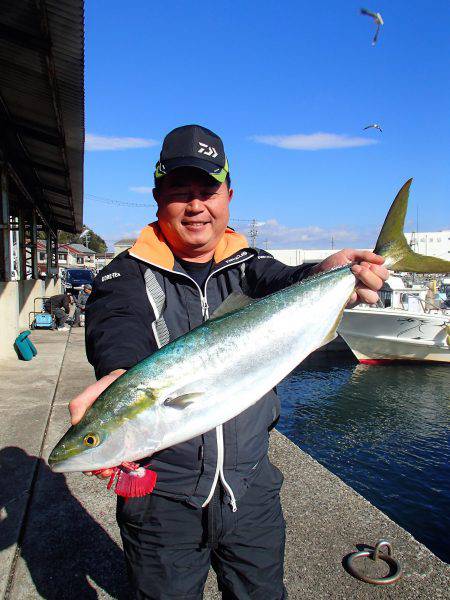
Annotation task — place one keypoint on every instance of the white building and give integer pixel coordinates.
(431, 243)
(122, 245)
(297, 256)
(69, 255)
(102, 259)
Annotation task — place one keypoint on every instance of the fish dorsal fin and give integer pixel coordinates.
(392, 244)
(233, 302)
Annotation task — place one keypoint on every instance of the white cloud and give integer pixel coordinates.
(313, 141)
(273, 234)
(141, 189)
(106, 142)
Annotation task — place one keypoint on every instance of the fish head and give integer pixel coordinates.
(89, 446)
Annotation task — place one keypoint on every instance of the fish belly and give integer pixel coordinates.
(254, 351)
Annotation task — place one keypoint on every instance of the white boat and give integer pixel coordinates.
(402, 326)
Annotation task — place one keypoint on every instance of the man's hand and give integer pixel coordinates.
(370, 273)
(79, 405)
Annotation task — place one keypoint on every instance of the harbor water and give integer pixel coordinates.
(384, 430)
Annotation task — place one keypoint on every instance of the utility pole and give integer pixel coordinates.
(87, 239)
(332, 242)
(266, 244)
(253, 233)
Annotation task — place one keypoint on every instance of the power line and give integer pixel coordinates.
(112, 202)
(253, 233)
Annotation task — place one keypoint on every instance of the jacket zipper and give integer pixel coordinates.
(219, 429)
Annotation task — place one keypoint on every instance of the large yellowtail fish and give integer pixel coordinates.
(219, 369)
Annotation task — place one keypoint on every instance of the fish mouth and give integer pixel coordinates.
(61, 467)
(68, 464)
(77, 464)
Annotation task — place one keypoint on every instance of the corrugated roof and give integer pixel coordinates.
(124, 242)
(82, 248)
(42, 103)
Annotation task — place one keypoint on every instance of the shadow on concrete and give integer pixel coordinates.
(63, 547)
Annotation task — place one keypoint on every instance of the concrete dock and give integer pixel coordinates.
(59, 539)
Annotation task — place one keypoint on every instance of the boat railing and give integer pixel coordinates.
(409, 301)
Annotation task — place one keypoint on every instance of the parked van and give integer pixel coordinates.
(73, 280)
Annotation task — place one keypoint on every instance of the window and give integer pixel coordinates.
(79, 260)
(62, 257)
(42, 256)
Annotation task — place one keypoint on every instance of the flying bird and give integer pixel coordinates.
(374, 126)
(378, 20)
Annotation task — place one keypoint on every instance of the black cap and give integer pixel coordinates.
(193, 146)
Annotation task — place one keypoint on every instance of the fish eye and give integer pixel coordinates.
(91, 440)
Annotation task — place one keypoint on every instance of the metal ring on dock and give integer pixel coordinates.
(376, 554)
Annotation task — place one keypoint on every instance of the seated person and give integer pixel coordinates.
(59, 306)
(80, 303)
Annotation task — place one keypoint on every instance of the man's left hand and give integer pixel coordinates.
(370, 273)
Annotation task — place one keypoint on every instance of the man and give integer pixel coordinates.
(59, 305)
(80, 304)
(216, 499)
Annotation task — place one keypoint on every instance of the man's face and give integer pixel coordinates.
(87, 291)
(193, 211)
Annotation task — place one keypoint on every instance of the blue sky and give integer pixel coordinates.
(264, 75)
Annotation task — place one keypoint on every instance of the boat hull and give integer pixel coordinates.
(378, 336)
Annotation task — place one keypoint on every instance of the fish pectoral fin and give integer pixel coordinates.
(183, 401)
(233, 302)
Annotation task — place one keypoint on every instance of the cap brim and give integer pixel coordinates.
(219, 173)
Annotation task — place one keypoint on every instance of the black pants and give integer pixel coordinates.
(60, 316)
(170, 546)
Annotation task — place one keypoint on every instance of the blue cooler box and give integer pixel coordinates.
(43, 321)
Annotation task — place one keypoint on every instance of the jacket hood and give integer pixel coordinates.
(151, 246)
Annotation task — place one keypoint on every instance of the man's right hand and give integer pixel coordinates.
(79, 405)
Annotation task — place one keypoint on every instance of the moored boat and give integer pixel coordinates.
(403, 326)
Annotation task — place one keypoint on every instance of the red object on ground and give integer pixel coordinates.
(377, 361)
(132, 480)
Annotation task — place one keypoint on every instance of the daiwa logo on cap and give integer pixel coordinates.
(209, 152)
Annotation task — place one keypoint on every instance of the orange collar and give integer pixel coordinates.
(151, 246)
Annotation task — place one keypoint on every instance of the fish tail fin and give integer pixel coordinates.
(392, 244)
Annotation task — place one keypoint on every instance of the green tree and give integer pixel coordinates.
(94, 241)
(67, 238)
(88, 238)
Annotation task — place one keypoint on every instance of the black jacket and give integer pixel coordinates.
(144, 299)
(58, 301)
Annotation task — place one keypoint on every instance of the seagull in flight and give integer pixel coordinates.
(378, 19)
(374, 126)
